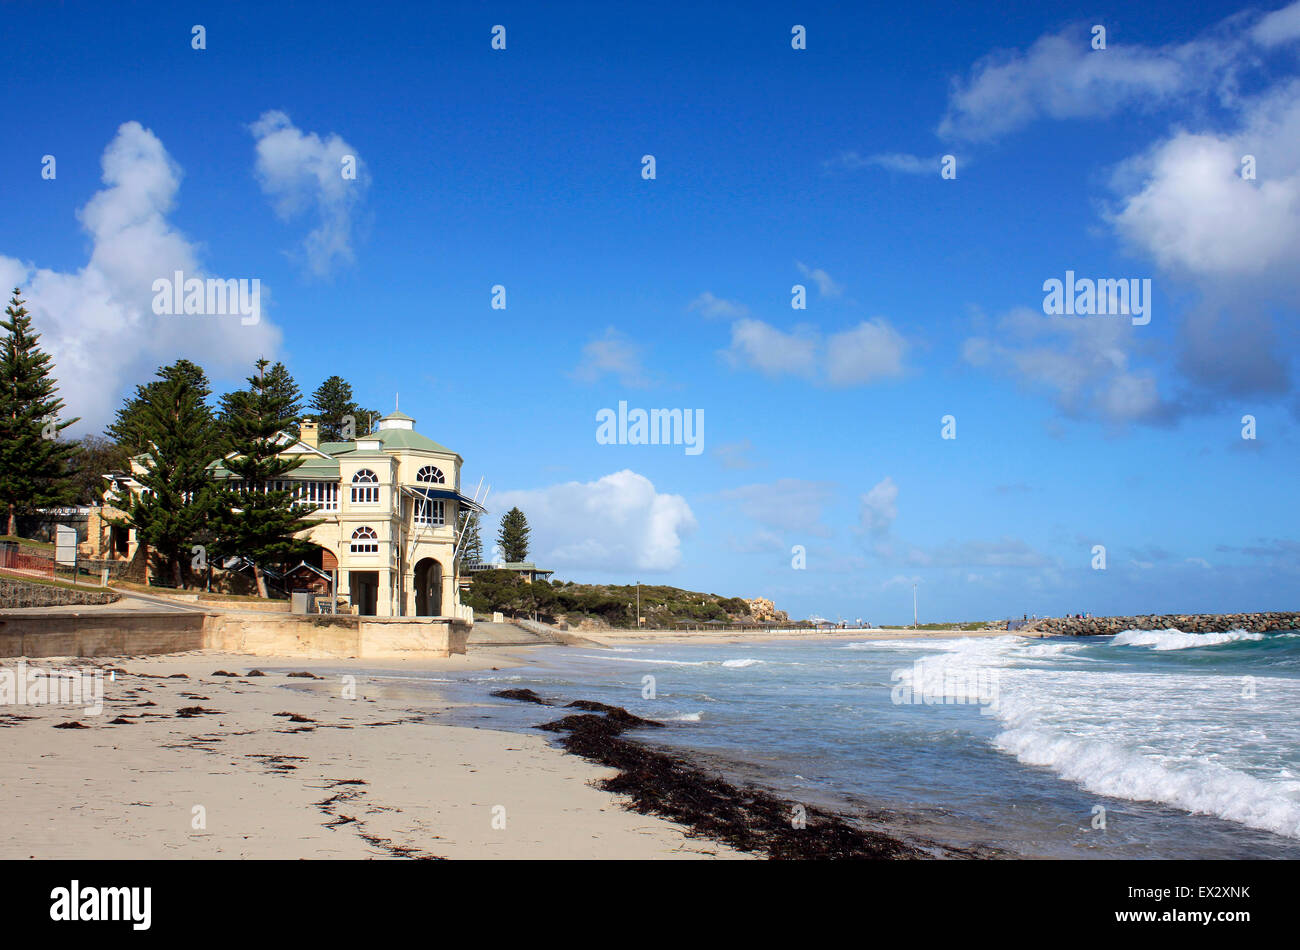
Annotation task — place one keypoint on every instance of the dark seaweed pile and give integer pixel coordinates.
(746, 818)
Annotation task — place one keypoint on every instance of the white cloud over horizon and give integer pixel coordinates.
(619, 523)
(97, 323)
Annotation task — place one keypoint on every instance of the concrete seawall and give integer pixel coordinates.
(1188, 623)
(72, 633)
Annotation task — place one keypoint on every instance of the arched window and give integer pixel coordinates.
(431, 475)
(365, 488)
(365, 541)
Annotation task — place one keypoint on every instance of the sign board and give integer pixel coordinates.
(65, 545)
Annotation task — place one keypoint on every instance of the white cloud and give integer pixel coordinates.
(771, 351)
(1084, 362)
(617, 523)
(903, 162)
(879, 507)
(870, 351)
(1192, 212)
(1060, 76)
(867, 353)
(612, 354)
(711, 306)
(301, 172)
(825, 285)
(98, 323)
(1280, 26)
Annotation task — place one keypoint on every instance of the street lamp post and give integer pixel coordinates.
(914, 618)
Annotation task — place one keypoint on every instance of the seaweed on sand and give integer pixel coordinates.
(746, 818)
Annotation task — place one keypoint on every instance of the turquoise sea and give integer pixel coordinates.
(1157, 744)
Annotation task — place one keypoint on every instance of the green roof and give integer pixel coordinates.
(407, 439)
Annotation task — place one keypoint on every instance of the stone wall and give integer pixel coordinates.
(19, 593)
(91, 633)
(1188, 623)
(100, 634)
(343, 635)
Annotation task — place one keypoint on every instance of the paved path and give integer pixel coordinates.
(130, 603)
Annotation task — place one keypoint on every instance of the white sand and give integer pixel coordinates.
(129, 791)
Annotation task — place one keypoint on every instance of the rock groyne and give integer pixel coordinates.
(1188, 623)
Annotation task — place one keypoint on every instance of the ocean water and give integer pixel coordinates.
(1149, 744)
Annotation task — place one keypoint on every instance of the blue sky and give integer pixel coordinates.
(774, 167)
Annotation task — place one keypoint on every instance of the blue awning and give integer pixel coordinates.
(445, 493)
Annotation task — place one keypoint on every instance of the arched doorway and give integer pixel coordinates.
(428, 588)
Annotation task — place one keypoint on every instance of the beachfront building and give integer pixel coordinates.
(525, 569)
(385, 525)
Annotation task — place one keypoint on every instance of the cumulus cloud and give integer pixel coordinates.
(98, 323)
(1060, 76)
(617, 523)
(774, 352)
(302, 173)
(825, 285)
(1184, 204)
(613, 354)
(1192, 212)
(870, 352)
(1085, 363)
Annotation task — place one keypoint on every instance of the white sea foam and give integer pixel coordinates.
(1172, 638)
(684, 717)
(739, 664)
(637, 659)
(1111, 768)
(1181, 740)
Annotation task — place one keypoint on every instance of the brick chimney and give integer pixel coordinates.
(309, 432)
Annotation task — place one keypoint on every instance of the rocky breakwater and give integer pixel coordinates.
(1188, 623)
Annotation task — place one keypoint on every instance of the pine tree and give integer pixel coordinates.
(126, 429)
(278, 384)
(34, 462)
(513, 537)
(471, 544)
(255, 521)
(179, 497)
(332, 403)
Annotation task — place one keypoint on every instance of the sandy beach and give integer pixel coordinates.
(363, 777)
